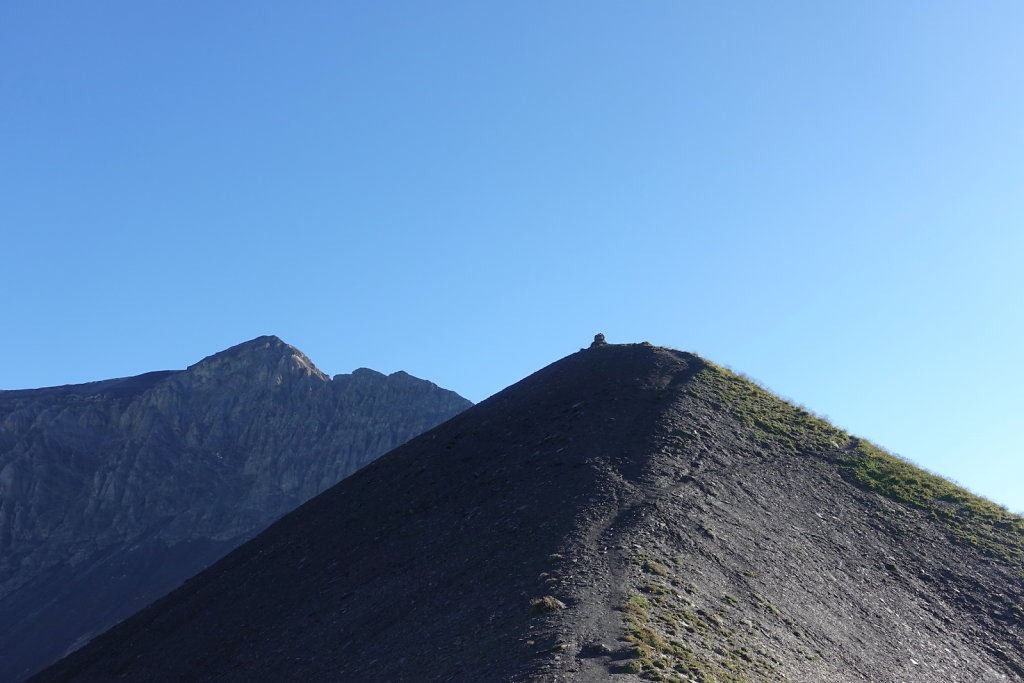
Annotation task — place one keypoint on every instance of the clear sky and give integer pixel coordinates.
(826, 196)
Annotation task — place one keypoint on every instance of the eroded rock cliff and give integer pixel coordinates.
(113, 492)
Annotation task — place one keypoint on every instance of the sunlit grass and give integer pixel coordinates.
(968, 518)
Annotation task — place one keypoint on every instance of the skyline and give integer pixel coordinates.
(736, 370)
(827, 199)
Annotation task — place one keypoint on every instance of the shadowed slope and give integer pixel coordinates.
(629, 509)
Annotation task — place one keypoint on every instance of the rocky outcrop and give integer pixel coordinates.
(113, 492)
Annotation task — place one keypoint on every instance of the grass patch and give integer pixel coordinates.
(633, 666)
(652, 567)
(637, 605)
(968, 518)
(548, 603)
(768, 417)
(671, 640)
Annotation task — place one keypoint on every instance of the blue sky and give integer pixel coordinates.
(825, 196)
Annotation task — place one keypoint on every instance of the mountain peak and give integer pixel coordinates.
(265, 339)
(266, 356)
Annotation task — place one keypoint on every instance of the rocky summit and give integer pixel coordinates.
(627, 513)
(114, 492)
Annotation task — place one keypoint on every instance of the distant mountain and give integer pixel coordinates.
(629, 512)
(114, 492)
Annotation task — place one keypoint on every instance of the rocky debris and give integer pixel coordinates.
(693, 526)
(114, 492)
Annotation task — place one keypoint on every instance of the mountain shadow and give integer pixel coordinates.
(112, 493)
(627, 513)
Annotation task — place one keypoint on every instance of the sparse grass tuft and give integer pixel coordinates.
(637, 605)
(657, 589)
(652, 567)
(633, 666)
(548, 603)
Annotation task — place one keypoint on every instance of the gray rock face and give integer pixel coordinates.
(114, 492)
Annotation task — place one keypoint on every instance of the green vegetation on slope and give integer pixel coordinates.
(968, 518)
(767, 416)
(674, 639)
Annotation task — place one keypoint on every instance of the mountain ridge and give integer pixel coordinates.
(163, 472)
(628, 512)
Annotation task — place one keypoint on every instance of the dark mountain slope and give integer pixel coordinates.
(627, 511)
(114, 492)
